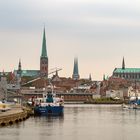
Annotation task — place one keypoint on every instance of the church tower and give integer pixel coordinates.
(19, 71)
(75, 75)
(44, 58)
(123, 64)
(90, 79)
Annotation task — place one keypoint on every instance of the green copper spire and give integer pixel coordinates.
(75, 69)
(44, 50)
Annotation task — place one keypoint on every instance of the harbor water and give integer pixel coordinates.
(80, 122)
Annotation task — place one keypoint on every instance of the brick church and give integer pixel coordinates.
(43, 64)
(130, 74)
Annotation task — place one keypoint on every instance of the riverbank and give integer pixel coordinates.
(105, 101)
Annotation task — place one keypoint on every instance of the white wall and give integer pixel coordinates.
(114, 93)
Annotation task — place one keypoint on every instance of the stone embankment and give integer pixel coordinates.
(14, 115)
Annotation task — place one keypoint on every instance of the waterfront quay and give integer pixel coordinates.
(14, 115)
(72, 98)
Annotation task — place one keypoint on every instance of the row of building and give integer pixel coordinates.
(132, 74)
(121, 78)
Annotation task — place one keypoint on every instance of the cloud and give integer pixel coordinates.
(29, 14)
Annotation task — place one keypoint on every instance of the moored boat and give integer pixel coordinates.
(134, 103)
(49, 105)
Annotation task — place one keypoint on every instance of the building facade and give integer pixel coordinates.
(130, 74)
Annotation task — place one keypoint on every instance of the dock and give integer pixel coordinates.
(14, 115)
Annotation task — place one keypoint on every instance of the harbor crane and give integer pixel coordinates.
(39, 77)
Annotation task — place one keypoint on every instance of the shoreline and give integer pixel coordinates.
(105, 102)
(13, 116)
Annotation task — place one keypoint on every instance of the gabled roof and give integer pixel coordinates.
(127, 70)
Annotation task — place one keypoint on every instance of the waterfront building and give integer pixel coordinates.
(130, 74)
(75, 75)
(115, 94)
(114, 83)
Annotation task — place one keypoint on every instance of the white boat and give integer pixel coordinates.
(131, 106)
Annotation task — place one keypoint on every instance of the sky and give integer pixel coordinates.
(98, 32)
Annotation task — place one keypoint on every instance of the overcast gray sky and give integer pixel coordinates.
(99, 32)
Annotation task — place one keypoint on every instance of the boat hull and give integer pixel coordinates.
(48, 111)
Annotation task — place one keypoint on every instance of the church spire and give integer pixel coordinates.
(44, 50)
(19, 65)
(44, 58)
(19, 68)
(123, 64)
(75, 75)
(104, 77)
(90, 79)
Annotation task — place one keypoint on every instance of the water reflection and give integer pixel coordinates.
(79, 122)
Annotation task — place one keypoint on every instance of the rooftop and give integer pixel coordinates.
(30, 73)
(127, 70)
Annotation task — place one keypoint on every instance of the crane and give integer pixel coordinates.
(31, 81)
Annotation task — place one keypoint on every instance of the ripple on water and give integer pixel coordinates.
(80, 122)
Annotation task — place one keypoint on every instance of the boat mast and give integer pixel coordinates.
(136, 95)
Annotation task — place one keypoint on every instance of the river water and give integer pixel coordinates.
(80, 122)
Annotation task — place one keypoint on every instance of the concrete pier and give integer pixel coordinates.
(15, 115)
